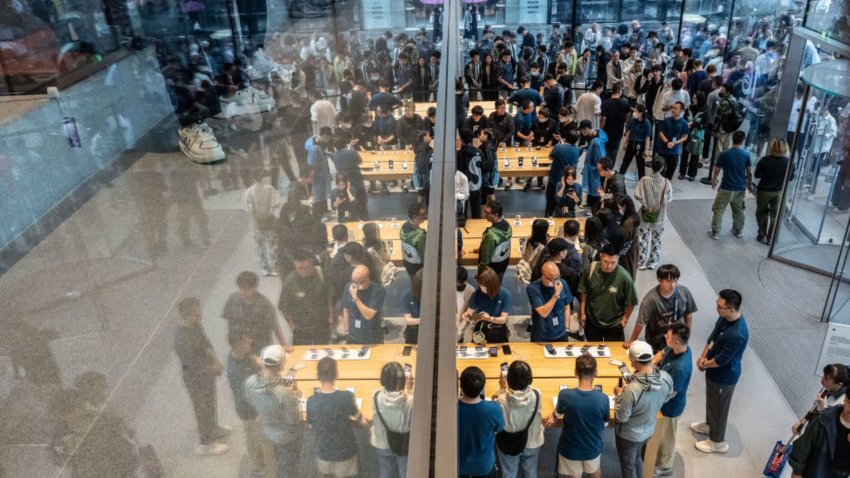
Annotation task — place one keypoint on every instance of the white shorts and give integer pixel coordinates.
(339, 468)
(576, 468)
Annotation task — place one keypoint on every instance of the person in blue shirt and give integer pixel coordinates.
(550, 300)
(676, 360)
(362, 308)
(526, 93)
(737, 179)
(586, 411)
(412, 300)
(590, 181)
(563, 155)
(505, 74)
(721, 362)
(478, 421)
(672, 134)
(523, 122)
(638, 134)
(384, 128)
(488, 307)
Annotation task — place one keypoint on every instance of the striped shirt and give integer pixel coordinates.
(654, 192)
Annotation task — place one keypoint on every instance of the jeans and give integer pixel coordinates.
(718, 400)
(288, 458)
(390, 465)
(525, 461)
(726, 198)
(201, 387)
(629, 452)
(767, 211)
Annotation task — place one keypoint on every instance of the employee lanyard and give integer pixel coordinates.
(675, 307)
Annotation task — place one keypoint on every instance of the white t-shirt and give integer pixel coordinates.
(589, 107)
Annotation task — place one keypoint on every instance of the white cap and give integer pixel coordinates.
(273, 355)
(640, 351)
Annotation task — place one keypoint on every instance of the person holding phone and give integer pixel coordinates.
(550, 300)
(362, 308)
(488, 308)
(520, 404)
(393, 401)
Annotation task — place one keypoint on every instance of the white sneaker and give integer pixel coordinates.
(699, 427)
(212, 449)
(198, 143)
(708, 446)
(262, 66)
(244, 114)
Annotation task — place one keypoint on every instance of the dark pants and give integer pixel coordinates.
(718, 399)
(304, 336)
(475, 204)
(612, 147)
(595, 333)
(634, 150)
(689, 164)
(201, 387)
(593, 202)
(767, 211)
(551, 199)
(670, 162)
(288, 458)
(630, 455)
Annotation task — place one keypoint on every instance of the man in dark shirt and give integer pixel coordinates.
(562, 155)
(505, 74)
(476, 121)
(251, 311)
(615, 112)
(304, 302)
(523, 122)
(200, 367)
(386, 100)
(362, 308)
(676, 360)
(526, 93)
(502, 124)
(672, 134)
(384, 128)
(408, 125)
(553, 94)
(721, 361)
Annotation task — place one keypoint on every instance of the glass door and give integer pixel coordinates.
(817, 207)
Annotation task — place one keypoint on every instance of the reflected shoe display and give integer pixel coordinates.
(198, 143)
(262, 66)
(250, 96)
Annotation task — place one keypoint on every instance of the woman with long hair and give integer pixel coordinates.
(374, 245)
(630, 222)
(594, 237)
(692, 152)
(538, 240)
(421, 80)
(489, 84)
(770, 173)
(488, 308)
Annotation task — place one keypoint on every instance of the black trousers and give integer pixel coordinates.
(201, 387)
(634, 150)
(689, 164)
(475, 204)
(551, 199)
(670, 162)
(595, 333)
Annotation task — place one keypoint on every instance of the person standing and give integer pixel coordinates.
(332, 414)
(241, 364)
(469, 161)
(676, 360)
(262, 200)
(590, 181)
(654, 192)
(200, 367)
(495, 250)
(608, 297)
(478, 421)
(391, 405)
(824, 448)
(770, 170)
(251, 311)
(472, 75)
(278, 403)
(666, 304)
(589, 104)
(637, 138)
(413, 238)
(737, 180)
(636, 408)
(551, 301)
(505, 75)
(615, 112)
(488, 308)
(672, 134)
(318, 159)
(721, 362)
(362, 308)
(586, 413)
(520, 405)
(305, 302)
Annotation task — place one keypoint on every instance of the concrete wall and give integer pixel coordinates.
(38, 167)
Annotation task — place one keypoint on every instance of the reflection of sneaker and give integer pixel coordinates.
(699, 427)
(223, 431)
(212, 449)
(708, 446)
(199, 144)
(251, 95)
(262, 66)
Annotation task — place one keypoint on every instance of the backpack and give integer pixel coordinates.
(398, 441)
(513, 443)
(731, 114)
(524, 268)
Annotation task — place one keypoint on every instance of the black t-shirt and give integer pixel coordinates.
(615, 111)
(841, 454)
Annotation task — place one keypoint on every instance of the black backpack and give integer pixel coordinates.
(398, 441)
(732, 114)
(513, 443)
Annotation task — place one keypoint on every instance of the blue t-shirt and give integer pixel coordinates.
(639, 130)
(482, 302)
(411, 304)
(360, 330)
(562, 155)
(523, 122)
(477, 426)
(734, 163)
(552, 328)
(679, 367)
(727, 343)
(585, 417)
(520, 96)
(673, 129)
(328, 415)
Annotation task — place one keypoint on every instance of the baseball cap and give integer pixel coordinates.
(640, 351)
(273, 355)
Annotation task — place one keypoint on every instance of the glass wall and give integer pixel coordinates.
(830, 19)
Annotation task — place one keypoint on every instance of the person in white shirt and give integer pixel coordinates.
(589, 105)
(262, 201)
(322, 112)
(825, 133)
(675, 95)
(521, 405)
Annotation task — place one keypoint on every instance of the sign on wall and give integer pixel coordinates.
(836, 347)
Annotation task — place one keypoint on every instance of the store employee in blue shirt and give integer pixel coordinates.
(478, 421)
(362, 308)
(721, 362)
(672, 134)
(550, 300)
(676, 360)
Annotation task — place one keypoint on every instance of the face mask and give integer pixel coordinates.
(535, 73)
(542, 120)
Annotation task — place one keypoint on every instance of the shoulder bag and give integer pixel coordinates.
(398, 441)
(513, 443)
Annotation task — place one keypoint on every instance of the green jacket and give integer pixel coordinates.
(495, 250)
(412, 243)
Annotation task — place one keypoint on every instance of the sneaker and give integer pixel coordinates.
(708, 446)
(642, 267)
(212, 449)
(662, 472)
(225, 430)
(198, 143)
(651, 267)
(527, 187)
(706, 180)
(737, 233)
(681, 177)
(691, 178)
(274, 273)
(713, 234)
(810, 197)
(253, 96)
(699, 427)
